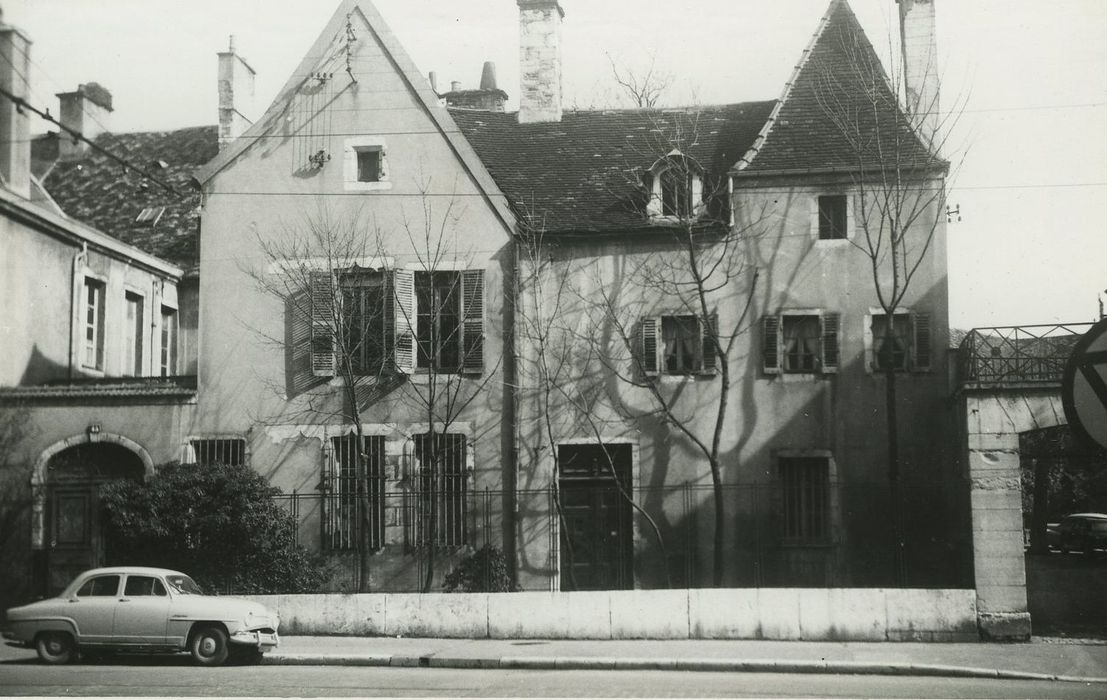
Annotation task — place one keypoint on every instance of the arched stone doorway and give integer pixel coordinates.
(68, 503)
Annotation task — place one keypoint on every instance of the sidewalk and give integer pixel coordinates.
(1041, 659)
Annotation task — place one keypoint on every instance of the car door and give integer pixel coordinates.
(92, 608)
(143, 612)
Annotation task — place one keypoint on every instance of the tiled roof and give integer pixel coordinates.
(826, 87)
(583, 174)
(97, 191)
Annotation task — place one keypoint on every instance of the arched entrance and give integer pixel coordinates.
(72, 532)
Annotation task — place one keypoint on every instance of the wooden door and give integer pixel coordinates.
(73, 533)
(597, 537)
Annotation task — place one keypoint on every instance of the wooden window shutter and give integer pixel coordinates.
(472, 331)
(920, 333)
(649, 345)
(830, 354)
(403, 315)
(770, 344)
(322, 324)
(708, 334)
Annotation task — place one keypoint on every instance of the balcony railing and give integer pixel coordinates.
(1018, 354)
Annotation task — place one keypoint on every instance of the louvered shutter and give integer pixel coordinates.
(708, 338)
(472, 329)
(322, 324)
(403, 315)
(830, 324)
(920, 333)
(770, 344)
(649, 336)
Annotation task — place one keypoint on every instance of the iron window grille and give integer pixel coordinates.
(805, 494)
(349, 503)
(227, 451)
(441, 506)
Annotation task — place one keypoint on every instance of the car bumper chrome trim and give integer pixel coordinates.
(262, 640)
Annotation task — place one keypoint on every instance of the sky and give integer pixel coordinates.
(1030, 76)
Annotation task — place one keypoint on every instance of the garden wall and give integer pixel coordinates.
(870, 614)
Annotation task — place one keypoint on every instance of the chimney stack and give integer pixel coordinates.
(918, 39)
(86, 110)
(488, 76)
(487, 97)
(433, 78)
(236, 94)
(15, 127)
(540, 60)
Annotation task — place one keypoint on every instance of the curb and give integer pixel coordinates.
(567, 663)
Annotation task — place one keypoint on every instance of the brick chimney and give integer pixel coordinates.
(86, 110)
(15, 126)
(488, 97)
(236, 95)
(540, 60)
(918, 39)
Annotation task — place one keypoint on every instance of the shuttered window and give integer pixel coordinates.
(366, 322)
(677, 345)
(323, 303)
(905, 345)
(804, 343)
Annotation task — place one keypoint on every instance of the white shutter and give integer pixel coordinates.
(649, 346)
(770, 344)
(830, 353)
(403, 313)
(472, 324)
(322, 324)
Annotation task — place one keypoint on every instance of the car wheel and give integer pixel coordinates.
(209, 646)
(55, 647)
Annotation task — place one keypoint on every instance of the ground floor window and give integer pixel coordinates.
(352, 502)
(805, 496)
(441, 503)
(228, 451)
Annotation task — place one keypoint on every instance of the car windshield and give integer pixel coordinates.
(1099, 526)
(183, 584)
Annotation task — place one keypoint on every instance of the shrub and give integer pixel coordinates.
(483, 571)
(219, 524)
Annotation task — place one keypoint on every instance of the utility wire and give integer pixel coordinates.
(20, 103)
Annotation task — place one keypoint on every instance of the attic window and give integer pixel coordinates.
(676, 189)
(366, 164)
(150, 215)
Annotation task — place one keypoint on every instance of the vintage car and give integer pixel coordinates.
(138, 609)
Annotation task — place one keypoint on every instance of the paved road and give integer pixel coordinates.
(177, 676)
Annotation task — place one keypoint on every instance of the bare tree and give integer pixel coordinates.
(894, 136)
(371, 326)
(645, 88)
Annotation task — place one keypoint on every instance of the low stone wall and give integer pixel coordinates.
(868, 614)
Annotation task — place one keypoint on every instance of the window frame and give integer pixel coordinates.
(95, 326)
(656, 205)
(845, 214)
(651, 353)
(339, 491)
(134, 334)
(168, 341)
(919, 354)
(366, 360)
(194, 442)
(352, 147)
(831, 507)
(774, 343)
(457, 497)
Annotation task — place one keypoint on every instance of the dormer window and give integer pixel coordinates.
(676, 189)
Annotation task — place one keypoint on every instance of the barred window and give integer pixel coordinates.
(441, 503)
(228, 451)
(346, 498)
(805, 491)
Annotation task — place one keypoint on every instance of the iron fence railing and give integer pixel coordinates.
(1017, 354)
(801, 531)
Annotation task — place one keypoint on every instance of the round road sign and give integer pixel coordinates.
(1084, 387)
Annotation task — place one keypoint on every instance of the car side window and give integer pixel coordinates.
(99, 586)
(143, 586)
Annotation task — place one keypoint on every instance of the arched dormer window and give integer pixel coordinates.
(676, 188)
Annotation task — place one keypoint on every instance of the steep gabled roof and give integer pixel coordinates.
(838, 83)
(96, 190)
(416, 83)
(584, 173)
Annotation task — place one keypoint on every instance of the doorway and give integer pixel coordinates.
(597, 537)
(74, 537)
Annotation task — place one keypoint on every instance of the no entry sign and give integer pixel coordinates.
(1084, 387)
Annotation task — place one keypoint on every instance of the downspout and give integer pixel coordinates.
(79, 260)
(513, 382)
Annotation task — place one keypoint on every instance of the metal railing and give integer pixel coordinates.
(1017, 354)
(596, 538)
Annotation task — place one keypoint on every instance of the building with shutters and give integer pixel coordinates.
(477, 311)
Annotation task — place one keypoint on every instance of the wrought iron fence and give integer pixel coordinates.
(801, 531)
(1016, 354)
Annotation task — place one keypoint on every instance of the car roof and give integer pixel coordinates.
(1090, 516)
(144, 570)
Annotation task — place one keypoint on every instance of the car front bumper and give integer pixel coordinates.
(264, 641)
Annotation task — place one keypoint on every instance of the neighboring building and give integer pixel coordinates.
(95, 328)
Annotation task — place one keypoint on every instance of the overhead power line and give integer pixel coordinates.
(21, 103)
